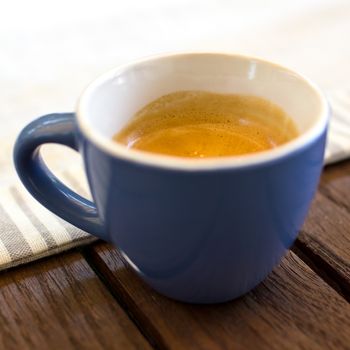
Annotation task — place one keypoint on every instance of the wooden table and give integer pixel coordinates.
(90, 299)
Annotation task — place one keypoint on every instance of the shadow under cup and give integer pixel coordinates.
(208, 230)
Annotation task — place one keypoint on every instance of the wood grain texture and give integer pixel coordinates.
(59, 303)
(325, 237)
(293, 309)
(335, 183)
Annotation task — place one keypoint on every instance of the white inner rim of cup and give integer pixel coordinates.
(138, 83)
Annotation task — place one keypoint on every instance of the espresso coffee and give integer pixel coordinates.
(203, 124)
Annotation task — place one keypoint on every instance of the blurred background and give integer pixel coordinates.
(50, 50)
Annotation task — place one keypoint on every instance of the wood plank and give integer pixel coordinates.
(292, 309)
(60, 303)
(335, 183)
(325, 237)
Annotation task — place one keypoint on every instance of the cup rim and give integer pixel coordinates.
(189, 164)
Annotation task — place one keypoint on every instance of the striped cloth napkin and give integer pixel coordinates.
(28, 231)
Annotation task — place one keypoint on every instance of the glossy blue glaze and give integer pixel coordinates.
(41, 183)
(203, 236)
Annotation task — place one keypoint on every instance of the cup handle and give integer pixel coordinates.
(42, 183)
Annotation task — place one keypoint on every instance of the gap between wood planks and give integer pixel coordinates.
(315, 262)
(323, 240)
(120, 298)
(330, 275)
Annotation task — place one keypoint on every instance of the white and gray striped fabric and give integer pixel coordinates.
(28, 231)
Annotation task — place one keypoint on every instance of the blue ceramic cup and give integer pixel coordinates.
(197, 230)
